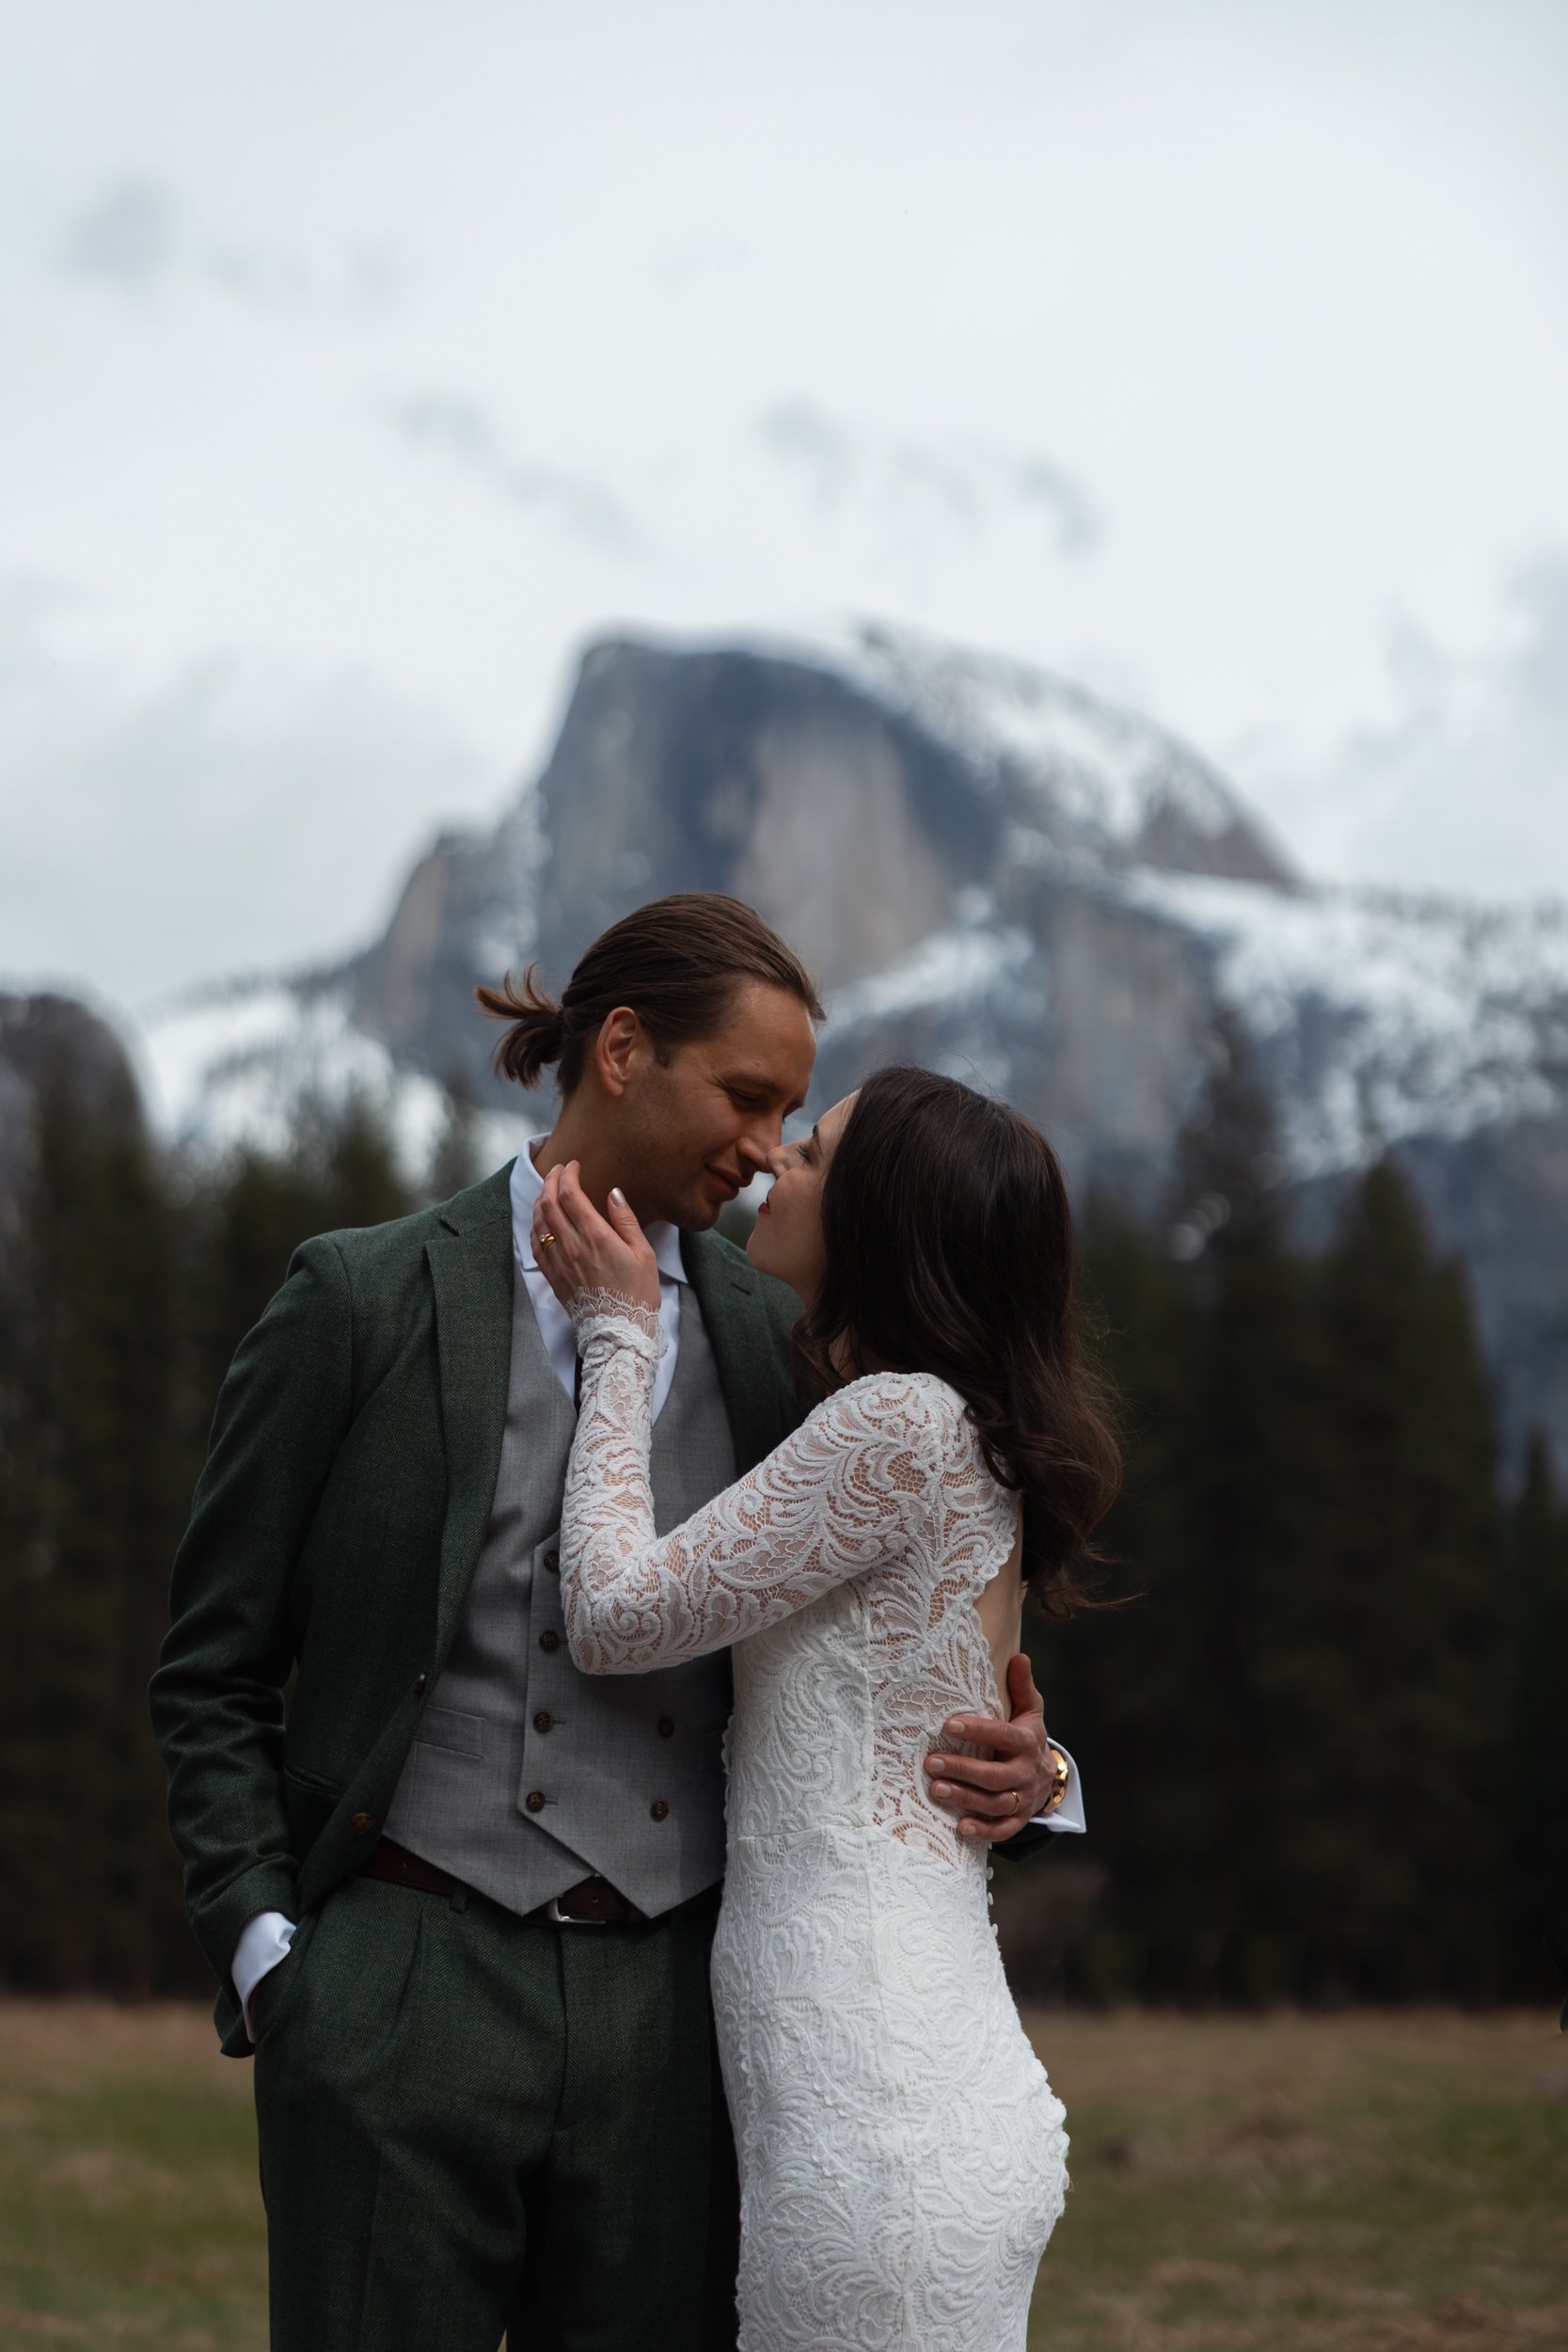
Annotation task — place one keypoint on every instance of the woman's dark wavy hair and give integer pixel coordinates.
(949, 1250)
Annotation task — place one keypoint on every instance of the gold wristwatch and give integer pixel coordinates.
(1058, 1785)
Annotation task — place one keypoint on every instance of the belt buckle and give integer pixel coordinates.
(564, 1919)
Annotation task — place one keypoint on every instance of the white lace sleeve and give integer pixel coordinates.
(854, 1485)
(592, 1311)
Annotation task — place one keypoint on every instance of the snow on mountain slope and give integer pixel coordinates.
(956, 967)
(231, 1068)
(1384, 1016)
(1085, 774)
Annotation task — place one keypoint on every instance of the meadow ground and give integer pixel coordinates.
(1362, 2183)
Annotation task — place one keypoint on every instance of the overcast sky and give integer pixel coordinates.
(358, 359)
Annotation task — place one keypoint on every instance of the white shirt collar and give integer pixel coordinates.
(527, 1185)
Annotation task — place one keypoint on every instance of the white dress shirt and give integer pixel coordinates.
(266, 1940)
(555, 1324)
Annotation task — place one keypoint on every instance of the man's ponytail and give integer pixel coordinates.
(536, 1030)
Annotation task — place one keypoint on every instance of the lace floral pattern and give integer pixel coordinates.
(612, 1307)
(902, 2154)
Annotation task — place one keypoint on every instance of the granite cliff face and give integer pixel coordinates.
(996, 872)
(946, 863)
(49, 1040)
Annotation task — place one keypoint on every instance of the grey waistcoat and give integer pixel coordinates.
(526, 1775)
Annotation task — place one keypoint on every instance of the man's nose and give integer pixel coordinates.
(762, 1150)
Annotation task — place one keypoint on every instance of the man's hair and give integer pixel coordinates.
(677, 962)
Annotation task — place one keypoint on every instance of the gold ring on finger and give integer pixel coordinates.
(547, 1240)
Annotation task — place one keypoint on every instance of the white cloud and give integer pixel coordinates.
(136, 238)
(241, 814)
(1171, 348)
(958, 483)
(1465, 787)
(464, 431)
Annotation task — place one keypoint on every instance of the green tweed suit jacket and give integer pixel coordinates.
(334, 1533)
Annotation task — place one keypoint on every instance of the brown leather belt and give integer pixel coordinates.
(593, 1903)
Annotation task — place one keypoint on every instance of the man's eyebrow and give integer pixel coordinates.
(759, 1082)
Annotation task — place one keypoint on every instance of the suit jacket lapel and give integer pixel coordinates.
(754, 1370)
(471, 1275)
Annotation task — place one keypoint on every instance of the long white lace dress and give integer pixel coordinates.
(902, 2155)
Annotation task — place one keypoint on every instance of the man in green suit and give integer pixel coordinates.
(459, 1898)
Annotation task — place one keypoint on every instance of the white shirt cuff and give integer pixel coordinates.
(1068, 1814)
(264, 1942)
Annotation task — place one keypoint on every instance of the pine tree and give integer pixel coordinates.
(1536, 1722)
(253, 1214)
(248, 1220)
(1200, 1704)
(1117, 1679)
(87, 1862)
(1412, 1577)
(1251, 1479)
(361, 1183)
(454, 1163)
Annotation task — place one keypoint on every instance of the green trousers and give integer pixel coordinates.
(473, 2124)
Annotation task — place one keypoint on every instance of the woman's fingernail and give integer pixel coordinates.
(616, 1194)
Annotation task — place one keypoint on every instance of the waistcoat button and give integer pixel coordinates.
(660, 1807)
(549, 1640)
(419, 1686)
(535, 1800)
(666, 1728)
(543, 1721)
(552, 1562)
(365, 1822)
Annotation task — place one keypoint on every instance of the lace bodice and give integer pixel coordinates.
(883, 1489)
(902, 2156)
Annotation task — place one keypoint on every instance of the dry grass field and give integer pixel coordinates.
(1364, 2183)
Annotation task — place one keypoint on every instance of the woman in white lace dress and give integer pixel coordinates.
(902, 2155)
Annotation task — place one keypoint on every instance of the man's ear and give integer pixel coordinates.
(620, 1051)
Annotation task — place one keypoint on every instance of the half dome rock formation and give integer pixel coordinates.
(995, 871)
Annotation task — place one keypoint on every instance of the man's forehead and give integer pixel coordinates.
(766, 1031)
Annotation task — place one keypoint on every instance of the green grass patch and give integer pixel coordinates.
(1365, 2184)
(130, 2212)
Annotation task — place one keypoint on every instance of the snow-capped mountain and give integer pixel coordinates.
(991, 870)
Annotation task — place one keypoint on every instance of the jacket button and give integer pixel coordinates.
(549, 1640)
(535, 1800)
(552, 1562)
(544, 1720)
(420, 1681)
(658, 1808)
(365, 1822)
(666, 1728)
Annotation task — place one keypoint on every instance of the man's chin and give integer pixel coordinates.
(699, 1213)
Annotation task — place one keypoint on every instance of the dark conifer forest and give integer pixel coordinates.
(1321, 1714)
